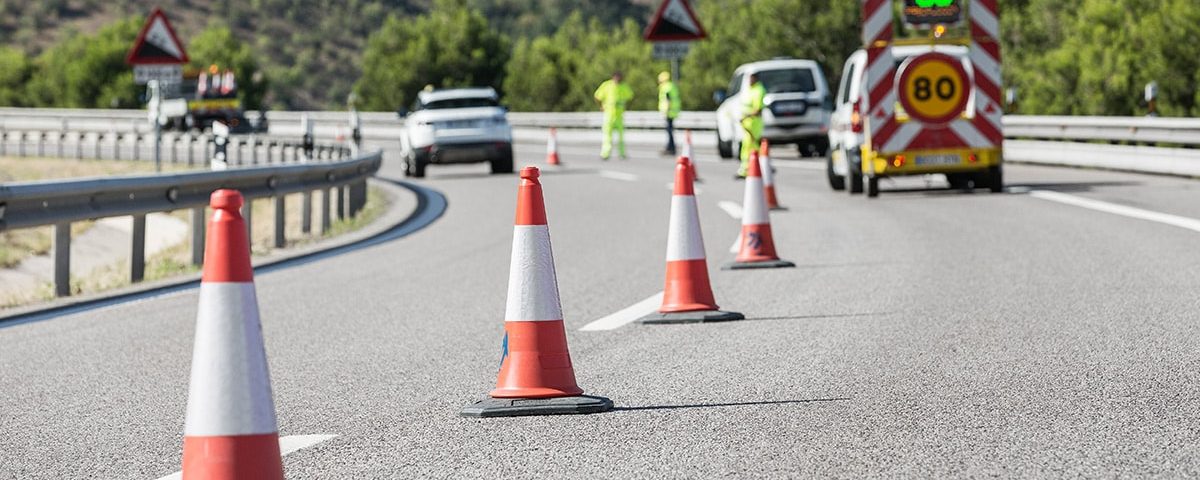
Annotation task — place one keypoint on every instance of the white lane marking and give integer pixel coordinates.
(1131, 212)
(615, 175)
(799, 165)
(626, 315)
(734, 209)
(288, 444)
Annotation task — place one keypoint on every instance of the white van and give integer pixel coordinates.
(798, 106)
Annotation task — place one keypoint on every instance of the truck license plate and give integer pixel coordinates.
(944, 159)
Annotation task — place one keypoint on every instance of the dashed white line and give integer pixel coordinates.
(288, 444)
(615, 175)
(626, 315)
(1113, 208)
(732, 208)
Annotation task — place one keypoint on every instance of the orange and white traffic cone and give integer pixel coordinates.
(768, 175)
(687, 152)
(687, 295)
(757, 248)
(536, 376)
(552, 148)
(230, 431)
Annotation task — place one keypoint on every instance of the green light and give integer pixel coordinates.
(934, 3)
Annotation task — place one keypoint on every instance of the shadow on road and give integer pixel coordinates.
(1070, 186)
(732, 404)
(821, 316)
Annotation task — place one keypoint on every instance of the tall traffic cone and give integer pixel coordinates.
(687, 295)
(768, 175)
(687, 152)
(230, 430)
(536, 376)
(757, 246)
(552, 148)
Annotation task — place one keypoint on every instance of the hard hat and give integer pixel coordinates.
(664, 76)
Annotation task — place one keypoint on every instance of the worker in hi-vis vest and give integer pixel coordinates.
(752, 121)
(612, 96)
(669, 104)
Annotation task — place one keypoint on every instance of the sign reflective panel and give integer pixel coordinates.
(674, 20)
(157, 43)
(933, 87)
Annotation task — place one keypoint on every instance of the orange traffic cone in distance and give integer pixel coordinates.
(687, 295)
(552, 148)
(757, 246)
(230, 430)
(768, 175)
(536, 376)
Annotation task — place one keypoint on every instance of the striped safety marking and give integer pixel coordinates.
(532, 285)
(684, 239)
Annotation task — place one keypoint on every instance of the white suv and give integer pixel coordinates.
(462, 125)
(798, 106)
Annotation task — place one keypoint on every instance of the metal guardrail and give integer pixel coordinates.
(1178, 131)
(1135, 144)
(59, 203)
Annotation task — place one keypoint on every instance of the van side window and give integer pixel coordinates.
(735, 85)
(847, 78)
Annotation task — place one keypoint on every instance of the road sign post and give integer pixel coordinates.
(154, 115)
(672, 30)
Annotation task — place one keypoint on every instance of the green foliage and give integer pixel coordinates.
(217, 45)
(560, 73)
(88, 70)
(452, 46)
(15, 70)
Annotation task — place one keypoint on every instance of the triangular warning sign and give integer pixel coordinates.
(157, 43)
(674, 21)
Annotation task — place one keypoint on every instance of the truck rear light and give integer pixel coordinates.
(856, 123)
(898, 161)
(971, 158)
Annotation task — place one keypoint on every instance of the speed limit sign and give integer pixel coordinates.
(933, 87)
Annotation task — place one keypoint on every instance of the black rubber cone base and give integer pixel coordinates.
(701, 316)
(766, 264)
(516, 407)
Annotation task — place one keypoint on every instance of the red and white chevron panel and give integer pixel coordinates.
(981, 130)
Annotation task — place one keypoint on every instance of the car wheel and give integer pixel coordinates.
(958, 181)
(724, 147)
(836, 182)
(995, 180)
(871, 185)
(853, 174)
(504, 164)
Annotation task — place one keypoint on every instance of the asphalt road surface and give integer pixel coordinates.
(925, 333)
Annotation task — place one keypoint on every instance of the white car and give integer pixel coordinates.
(461, 125)
(798, 106)
(846, 127)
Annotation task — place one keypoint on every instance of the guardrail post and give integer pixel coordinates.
(99, 138)
(198, 226)
(306, 212)
(280, 221)
(237, 145)
(79, 146)
(62, 259)
(175, 148)
(191, 149)
(207, 145)
(21, 144)
(116, 146)
(341, 201)
(253, 150)
(325, 199)
(3, 142)
(358, 197)
(41, 143)
(137, 151)
(137, 260)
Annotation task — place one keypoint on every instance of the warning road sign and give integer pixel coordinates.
(674, 21)
(933, 88)
(157, 43)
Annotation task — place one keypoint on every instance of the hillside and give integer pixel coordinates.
(310, 50)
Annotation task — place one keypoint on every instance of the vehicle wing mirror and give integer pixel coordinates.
(402, 112)
(719, 96)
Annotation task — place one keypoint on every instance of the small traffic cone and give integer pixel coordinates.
(757, 246)
(687, 295)
(687, 152)
(552, 148)
(536, 376)
(768, 175)
(230, 430)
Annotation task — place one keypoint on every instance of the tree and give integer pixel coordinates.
(88, 70)
(14, 73)
(452, 46)
(216, 45)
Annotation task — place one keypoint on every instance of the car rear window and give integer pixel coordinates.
(788, 81)
(461, 103)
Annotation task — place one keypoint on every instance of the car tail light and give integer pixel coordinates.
(898, 161)
(856, 123)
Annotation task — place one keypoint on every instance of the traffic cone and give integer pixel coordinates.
(687, 295)
(536, 376)
(757, 246)
(687, 152)
(552, 148)
(230, 430)
(768, 175)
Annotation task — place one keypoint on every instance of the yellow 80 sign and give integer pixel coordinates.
(933, 87)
